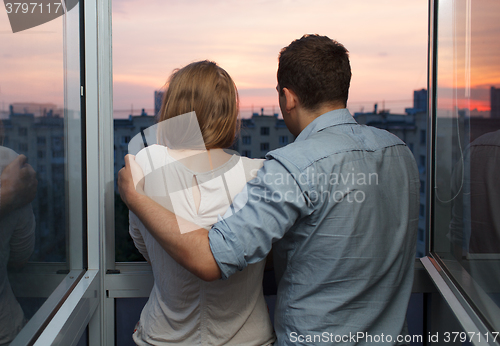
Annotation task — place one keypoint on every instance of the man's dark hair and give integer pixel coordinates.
(316, 68)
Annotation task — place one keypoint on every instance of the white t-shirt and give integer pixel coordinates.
(183, 309)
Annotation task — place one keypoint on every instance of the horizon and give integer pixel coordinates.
(387, 48)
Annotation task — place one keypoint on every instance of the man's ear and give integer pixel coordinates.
(291, 99)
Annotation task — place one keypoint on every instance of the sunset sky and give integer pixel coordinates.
(457, 62)
(387, 41)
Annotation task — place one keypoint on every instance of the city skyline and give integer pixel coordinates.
(487, 107)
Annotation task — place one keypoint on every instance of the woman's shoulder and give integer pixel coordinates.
(255, 163)
(251, 166)
(153, 153)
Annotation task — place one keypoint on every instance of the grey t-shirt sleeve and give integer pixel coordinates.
(22, 242)
(136, 235)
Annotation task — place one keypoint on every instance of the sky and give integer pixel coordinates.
(387, 41)
(473, 54)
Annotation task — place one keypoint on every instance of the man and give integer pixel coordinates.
(340, 205)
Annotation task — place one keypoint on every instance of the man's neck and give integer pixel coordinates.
(307, 116)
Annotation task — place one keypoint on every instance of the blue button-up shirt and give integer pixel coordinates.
(340, 205)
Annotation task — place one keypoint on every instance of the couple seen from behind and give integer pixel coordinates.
(206, 218)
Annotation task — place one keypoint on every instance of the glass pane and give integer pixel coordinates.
(40, 126)
(466, 230)
(245, 38)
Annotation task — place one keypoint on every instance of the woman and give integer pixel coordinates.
(17, 233)
(191, 175)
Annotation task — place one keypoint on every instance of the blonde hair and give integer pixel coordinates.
(208, 90)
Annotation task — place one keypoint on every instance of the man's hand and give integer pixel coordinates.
(130, 181)
(18, 185)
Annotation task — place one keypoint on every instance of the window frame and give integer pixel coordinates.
(63, 286)
(438, 269)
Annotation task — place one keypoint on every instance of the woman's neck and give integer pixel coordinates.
(200, 160)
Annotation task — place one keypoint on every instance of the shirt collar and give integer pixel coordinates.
(328, 119)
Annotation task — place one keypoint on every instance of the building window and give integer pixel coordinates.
(41, 140)
(23, 147)
(125, 139)
(57, 142)
(246, 139)
(264, 131)
(421, 234)
(423, 137)
(422, 186)
(57, 153)
(57, 172)
(23, 131)
(41, 154)
(421, 164)
(410, 145)
(422, 210)
(283, 140)
(464, 152)
(246, 153)
(264, 146)
(41, 169)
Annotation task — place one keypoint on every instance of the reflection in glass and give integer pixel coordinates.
(40, 166)
(17, 231)
(467, 188)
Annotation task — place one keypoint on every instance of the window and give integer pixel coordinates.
(49, 259)
(465, 239)
(57, 153)
(283, 140)
(422, 186)
(136, 65)
(125, 139)
(264, 146)
(421, 234)
(246, 140)
(422, 210)
(410, 146)
(423, 137)
(421, 163)
(23, 131)
(57, 142)
(264, 131)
